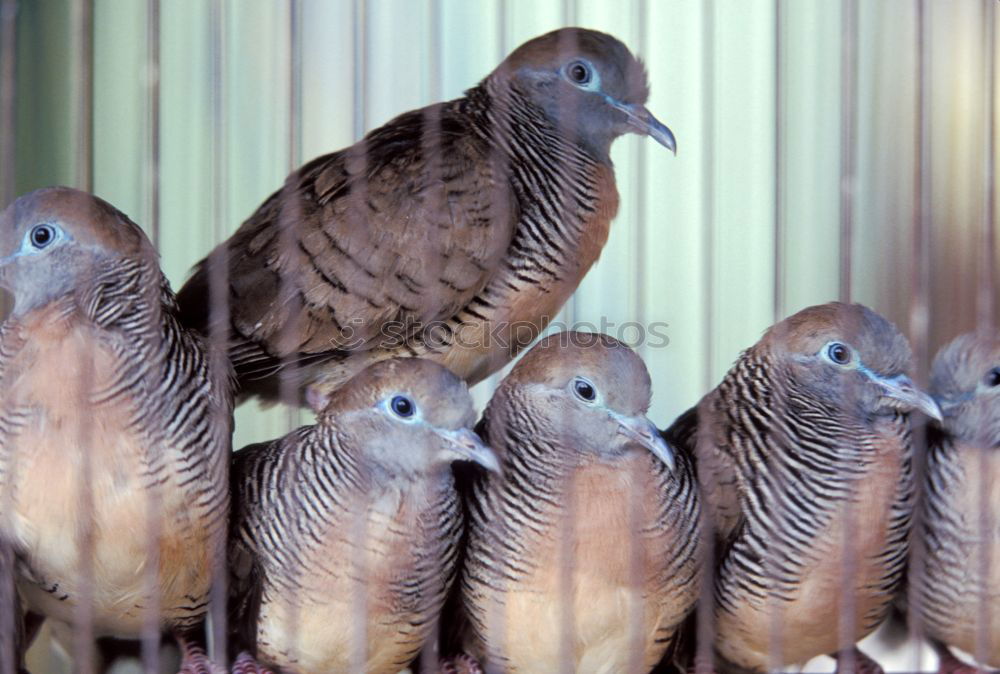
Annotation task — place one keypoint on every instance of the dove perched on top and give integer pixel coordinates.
(100, 382)
(804, 454)
(582, 556)
(451, 233)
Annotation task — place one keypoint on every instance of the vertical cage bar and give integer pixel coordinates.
(570, 17)
(8, 163)
(83, 79)
(290, 379)
(83, 74)
(218, 288)
(985, 323)
(641, 163)
(708, 197)
(637, 520)
(918, 309)
(360, 57)
(8, 100)
(779, 165)
(152, 82)
(986, 297)
(289, 220)
(358, 214)
(705, 621)
(848, 133)
(151, 619)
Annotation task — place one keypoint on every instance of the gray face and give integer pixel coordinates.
(407, 417)
(588, 394)
(589, 85)
(850, 359)
(54, 240)
(965, 381)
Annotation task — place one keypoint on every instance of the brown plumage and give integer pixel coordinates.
(582, 555)
(345, 533)
(438, 231)
(810, 419)
(960, 562)
(95, 368)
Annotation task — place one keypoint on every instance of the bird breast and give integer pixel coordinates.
(54, 438)
(370, 585)
(596, 582)
(963, 525)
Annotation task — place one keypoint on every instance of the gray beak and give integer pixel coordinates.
(644, 432)
(464, 445)
(902, 388)
(645, 124)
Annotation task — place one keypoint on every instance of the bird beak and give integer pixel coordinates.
(464, 445)
(901, 388)
(641, 430)
(643, 122)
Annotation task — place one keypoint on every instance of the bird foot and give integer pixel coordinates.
(951, 665)
(460, 664)
(245, 664)
(856, 662)
(194, 660)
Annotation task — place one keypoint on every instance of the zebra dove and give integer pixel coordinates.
(582, 556)
(114, 428)
(346, 533)
(958, 590)
(804, 456)
(454, 232)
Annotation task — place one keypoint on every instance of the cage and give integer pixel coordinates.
(827, 150)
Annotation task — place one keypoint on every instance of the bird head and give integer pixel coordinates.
(54, 241)
(589, 85)
(407, 416)
(848, 358)
(965, 381)
(590, 392)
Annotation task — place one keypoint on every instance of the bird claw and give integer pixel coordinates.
(854, 661)
(245, 664)
(460, 664)
(194, 660)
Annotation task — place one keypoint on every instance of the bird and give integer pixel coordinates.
(959, 567)
(454, 232)
(804, 458)
(345, 533)
(115, 425)
(582, 553)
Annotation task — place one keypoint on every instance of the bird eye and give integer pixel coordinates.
(578, 72)
(402, 406)
(839, 353)
(42, 235)
(993, 377)
(584, 389)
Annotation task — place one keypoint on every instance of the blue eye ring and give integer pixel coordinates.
(402, 407)
(584, 390)
(993, 377)
(579, 73)
(838, 353)
(41, 236)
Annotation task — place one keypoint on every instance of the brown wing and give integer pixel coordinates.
(400, 230)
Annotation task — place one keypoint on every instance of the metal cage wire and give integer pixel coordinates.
(928, 317)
